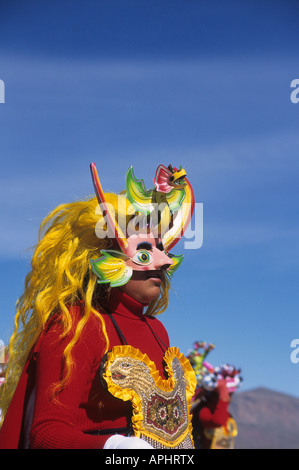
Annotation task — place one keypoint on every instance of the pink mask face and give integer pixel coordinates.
(146, 253)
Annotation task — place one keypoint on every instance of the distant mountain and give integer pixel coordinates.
(266, 419)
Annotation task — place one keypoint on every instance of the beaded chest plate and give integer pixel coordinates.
(223, 437)
(161, 408)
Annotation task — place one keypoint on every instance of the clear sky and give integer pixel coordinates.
(205, 85)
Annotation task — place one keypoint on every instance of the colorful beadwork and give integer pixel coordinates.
(161, 408)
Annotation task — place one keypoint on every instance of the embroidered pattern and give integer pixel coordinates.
(161, 408)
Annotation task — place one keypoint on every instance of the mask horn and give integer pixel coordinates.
(181, 220)
(110, 219)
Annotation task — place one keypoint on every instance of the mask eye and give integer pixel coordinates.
(142, 257)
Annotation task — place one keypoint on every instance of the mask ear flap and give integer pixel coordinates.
(110, 268)
(177, 261)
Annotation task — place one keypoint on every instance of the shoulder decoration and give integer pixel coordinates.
(161, 408)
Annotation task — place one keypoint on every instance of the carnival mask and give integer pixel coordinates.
(160, 217)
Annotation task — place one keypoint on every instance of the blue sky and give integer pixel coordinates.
(205, 85)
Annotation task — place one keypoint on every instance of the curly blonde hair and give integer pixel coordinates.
(61, 275)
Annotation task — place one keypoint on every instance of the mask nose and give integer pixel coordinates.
(161, 260)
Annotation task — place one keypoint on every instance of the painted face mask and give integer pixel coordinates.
(160, 217)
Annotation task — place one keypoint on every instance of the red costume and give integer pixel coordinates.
(126, 391)
(213, 415)
(85, 407)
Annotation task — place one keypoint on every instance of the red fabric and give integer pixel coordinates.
(213, 416)
(11, 432)
(84, 404)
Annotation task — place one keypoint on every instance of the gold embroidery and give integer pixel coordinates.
(161, 408)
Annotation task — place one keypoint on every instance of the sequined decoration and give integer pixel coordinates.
(160, 407)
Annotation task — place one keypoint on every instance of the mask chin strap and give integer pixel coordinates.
(122, 336)
(120, 333)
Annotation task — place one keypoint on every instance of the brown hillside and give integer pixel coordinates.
(266, 419)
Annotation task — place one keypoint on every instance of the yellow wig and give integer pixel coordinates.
(61, 275)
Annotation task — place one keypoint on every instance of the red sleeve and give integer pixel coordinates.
(215, 418)
(55, 425)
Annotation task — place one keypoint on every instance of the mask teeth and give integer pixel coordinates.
(120, 237)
